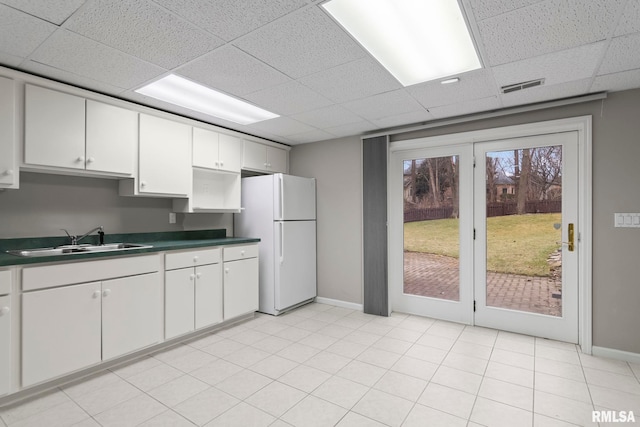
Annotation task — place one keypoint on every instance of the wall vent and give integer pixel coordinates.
(522, 85)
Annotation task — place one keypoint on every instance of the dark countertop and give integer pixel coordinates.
(161, 241)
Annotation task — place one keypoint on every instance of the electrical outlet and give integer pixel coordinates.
(172, 217)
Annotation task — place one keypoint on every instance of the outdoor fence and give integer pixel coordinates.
(493, 209)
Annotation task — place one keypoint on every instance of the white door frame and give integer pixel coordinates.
(582, 125)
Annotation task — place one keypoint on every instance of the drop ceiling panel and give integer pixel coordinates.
(547, 26)
(484, 9)
(311, 136)
(302, 43)
(546, 93)
(10, 60)
(630, 19)
(472, 85)
(20, 33)
(142, 29)
(469, 107)
(384, 104)
(281, 126)
(233, 71)
(617, 81)
(288, 98)
(354, 80)
(71, 78)
(622, 54)
(352, 129)
(79, 55)
(403, 119)
(332, 116)
(558, 67)
(228, 19)
(54, 11)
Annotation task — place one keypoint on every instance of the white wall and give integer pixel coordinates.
(337, 166)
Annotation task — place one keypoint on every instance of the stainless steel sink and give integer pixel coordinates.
(77, 249)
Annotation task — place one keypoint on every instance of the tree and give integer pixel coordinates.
(523, 182)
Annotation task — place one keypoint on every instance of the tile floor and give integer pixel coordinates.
(323, 366)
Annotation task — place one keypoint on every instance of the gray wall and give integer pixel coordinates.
(46, 203)
(616, 181)
(337, 166)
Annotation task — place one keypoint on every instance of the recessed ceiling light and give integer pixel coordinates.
(185, 93)
(449, 81)
(415, 40)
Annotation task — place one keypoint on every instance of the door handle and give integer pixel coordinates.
(570, 244)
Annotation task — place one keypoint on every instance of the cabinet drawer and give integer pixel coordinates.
(5, 282)
(175, 260)
(48, 276)
(233, 253)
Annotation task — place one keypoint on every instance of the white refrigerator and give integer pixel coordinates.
(281, 210)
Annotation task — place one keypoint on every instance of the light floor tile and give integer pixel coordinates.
(383, 407)
(246, 356)
(603, 364)
(172, 352)
(510, 394)
(223, 348)
(615, 399)
(216, 371)
(455, 378)
(319, 341)
(510, 343)
(346, 348)
(449, 400)
(191, 361)
(249, 337)
(178, 390)
(426, 353)
(356, 420)
(32, 406)
(154, 377)
(510, 374)
(362, 373)
(466, 363)
(131, 412)
(274, 366)
(415, 367)
(314, 412)
(381, 358)
(205, 406)
(106, 397)
(335, 331)
(560, 369)
(512, 358)
(91, 383)
(562, 408)
(304, 378)
(402, 334)
(361, 337)
(576, 390)
(243, 384)
(557, 354)
(421, 416)
(490, 413)
(292, 334)
(472, 349)
(341, 391)
(401, 385)
(328, 362)
(436, 341)
(276, 398)
(626, 383)
(65, 414)
(544, 421)
(272, 344)
(167, 419)
(298, 352)
(204, 340)
(242, 415)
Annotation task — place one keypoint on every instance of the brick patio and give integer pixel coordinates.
(438, 276)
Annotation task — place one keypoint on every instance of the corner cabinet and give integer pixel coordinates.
(8, 142)
(264, 158)
(164, 159)
(241, 294)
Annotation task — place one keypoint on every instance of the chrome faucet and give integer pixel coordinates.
(76, 239)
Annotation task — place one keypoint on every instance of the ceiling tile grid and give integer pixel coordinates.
(622, 54)
(382, 105)
(21, 33)
(54, 11)
(617, 81)
(472, 85)
(332, 116)
(630, 20)
(484, 9)
(143, 29)
(288, 99)
(469, 107)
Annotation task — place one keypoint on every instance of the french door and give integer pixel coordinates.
(488, 244)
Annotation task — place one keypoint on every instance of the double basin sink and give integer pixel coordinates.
(77, 249)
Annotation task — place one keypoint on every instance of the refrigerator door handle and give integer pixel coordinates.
(281, 243)
(281, 178)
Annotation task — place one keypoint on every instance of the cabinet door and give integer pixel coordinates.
(205, 148)
(165, 157)
(5, 344)
(131, 314)
(230, 153)
(254, 156)
(60, 331)
(208, 300)
(112, 138)
(8, 167)
(179, 299)
(277, 160)
(240, 287)
(54, 128)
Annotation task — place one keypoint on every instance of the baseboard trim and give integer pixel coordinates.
(339, 303)
(612, 353)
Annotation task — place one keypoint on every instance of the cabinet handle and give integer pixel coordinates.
(96, 294)
(106, 292)
(268, 165)
(8, 172)
(226, 270)
(242, 253)
(221, 164)
(195, 258)
(198, 275)
(91, 160)
(192, 276)
(4, 310)
(217, 164)
(80, 159)
(143, 183)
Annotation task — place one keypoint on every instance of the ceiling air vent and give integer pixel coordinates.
(522, 85)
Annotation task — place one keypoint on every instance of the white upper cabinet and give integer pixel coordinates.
(264, 158)
(164, 157)
(212, 150)
(54, 128)
(67, 131)
(112, 138)
(8, 160)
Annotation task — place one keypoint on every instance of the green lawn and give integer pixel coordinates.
(517, 244)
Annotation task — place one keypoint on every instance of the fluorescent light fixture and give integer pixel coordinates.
(185, 93)
(449, 81)
(415, 40)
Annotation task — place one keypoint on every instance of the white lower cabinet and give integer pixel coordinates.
(60, 331)
(72, 327)
(240, 280)
(5, 347)
(193, 295)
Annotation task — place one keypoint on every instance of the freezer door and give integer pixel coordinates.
(295, 198)
(295, 262)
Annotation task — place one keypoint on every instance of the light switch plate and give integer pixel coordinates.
(172, 217)
(627, 220)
